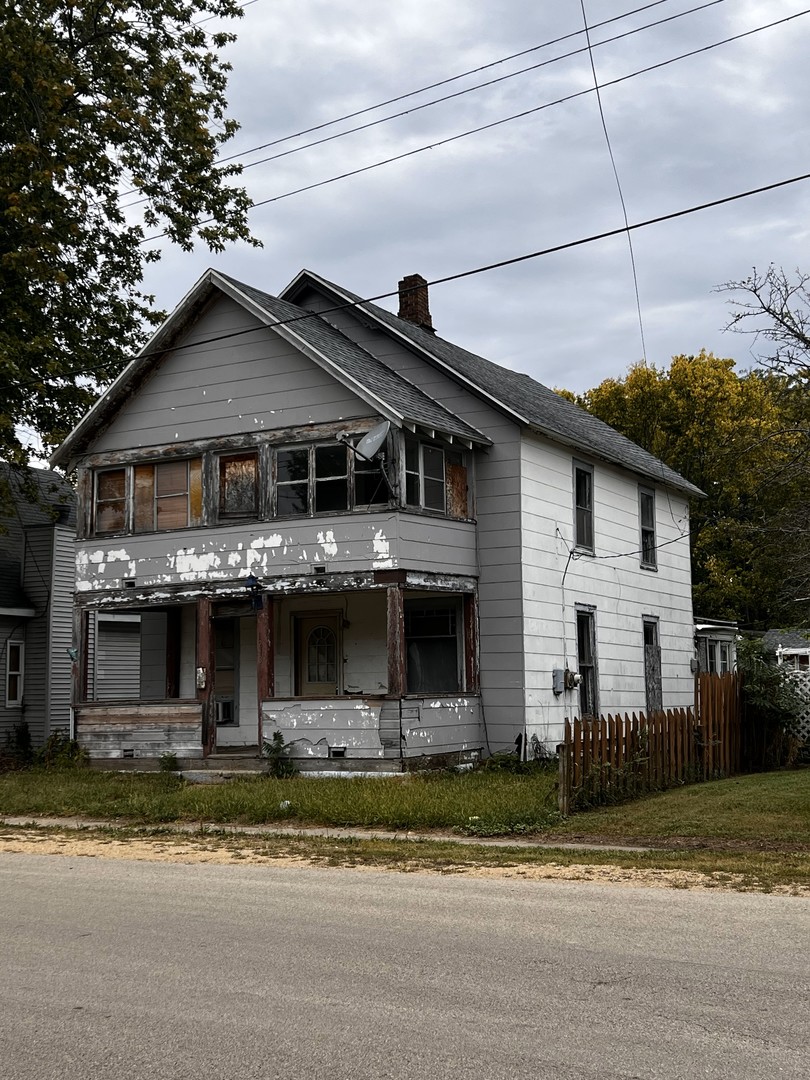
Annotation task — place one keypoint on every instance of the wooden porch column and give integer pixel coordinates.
(472, 677)
(205, 675)
(265, 655)
(397, 683)
(81, 639)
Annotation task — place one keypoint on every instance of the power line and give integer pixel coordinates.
(514, 260)
(618, 181)
(449, 97)
(507, 119)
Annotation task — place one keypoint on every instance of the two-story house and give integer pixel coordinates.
(37, 517)
(319, 517)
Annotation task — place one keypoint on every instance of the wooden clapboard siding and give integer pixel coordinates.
(139, 730)
(310, 728)
(496, 484)
(255, 382)
(441, 724)
(621, 592)
(347, 543)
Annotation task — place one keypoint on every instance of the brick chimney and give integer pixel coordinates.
(413, 301)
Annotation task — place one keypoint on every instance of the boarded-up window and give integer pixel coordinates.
(167, 495)
(111, 488)
(457, 495)
(239, 486)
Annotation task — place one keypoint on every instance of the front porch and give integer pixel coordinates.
(382, 673)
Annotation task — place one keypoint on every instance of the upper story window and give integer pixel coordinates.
(148, 497)
(583, 506)
(239, 485)
(435, 478)
(646, 514)
(167, 495)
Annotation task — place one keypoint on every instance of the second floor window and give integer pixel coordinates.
(424, 476)
(167, 495)
(646, 513)
(583, 507)
(239, 485)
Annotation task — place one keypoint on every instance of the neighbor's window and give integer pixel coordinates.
(586, 663)
(15, 660)
(646, 513)
(239, 485)
(425, 476)
(433, 662)
(167, 495)
(111, 501)
(583, 507)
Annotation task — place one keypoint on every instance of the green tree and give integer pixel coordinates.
(103, 103)
(733, 436)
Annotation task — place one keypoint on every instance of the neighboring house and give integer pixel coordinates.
(716, 645)
(37, 530)
(489, 561)
(791, 647)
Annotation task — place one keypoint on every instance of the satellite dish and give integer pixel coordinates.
(370, 444)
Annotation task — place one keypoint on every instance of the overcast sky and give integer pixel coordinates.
(701, 128)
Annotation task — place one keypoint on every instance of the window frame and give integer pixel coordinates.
(126, 470)
(413, 442)
(142, 477)
(648, 534)
(15, 702)
(588, 668)
(222, 459)
(453, 605)
(584, 543)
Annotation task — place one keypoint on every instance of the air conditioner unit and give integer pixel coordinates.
(226, 712)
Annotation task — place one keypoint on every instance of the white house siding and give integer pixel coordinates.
(612, 582)
(60, 613)
(351, 543)
(254, 382)
(362, 644)
(497, 479)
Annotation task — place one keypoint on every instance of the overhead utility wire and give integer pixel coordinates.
(424, 89)
(618, 182)
(460, 93)
(496, 265)
(442, 82)
(506, 119)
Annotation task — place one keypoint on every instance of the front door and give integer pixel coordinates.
(318, 660)
(652, 666)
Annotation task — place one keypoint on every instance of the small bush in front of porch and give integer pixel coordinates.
(277, 755)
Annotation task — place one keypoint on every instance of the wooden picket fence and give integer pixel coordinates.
(620, 757)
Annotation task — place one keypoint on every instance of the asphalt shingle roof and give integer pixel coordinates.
(408, 400)
(538, 406)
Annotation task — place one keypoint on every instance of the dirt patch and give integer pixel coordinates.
(235, 851)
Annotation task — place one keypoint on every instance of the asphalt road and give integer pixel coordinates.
(143, 970)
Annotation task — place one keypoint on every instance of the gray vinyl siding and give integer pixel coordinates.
(61, 629)
(114, 669)
(12, 628)
(38, 672)
(253, 382)
(497, 485)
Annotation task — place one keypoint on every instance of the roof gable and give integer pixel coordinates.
(384, 391)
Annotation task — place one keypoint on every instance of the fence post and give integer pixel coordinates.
(564, 784)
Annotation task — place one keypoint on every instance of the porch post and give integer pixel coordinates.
(472, 676)
(265, 656)
(81, 640)
(205, 675)
(397, 682)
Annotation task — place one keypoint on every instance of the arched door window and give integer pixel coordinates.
(321, 655)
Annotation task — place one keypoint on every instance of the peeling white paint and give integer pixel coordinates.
(382, 551)
(235, 558)
(327, 542)
(273, 541)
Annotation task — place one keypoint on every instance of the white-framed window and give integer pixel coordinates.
(646, 516)
(583, 506)
(425, 483)
(15, 671)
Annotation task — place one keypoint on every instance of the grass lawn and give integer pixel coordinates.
(750, 832)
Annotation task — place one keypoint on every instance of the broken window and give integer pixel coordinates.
(239, 486)
(433, 660)
(331, 479)
(111, 489)
(292, 481)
